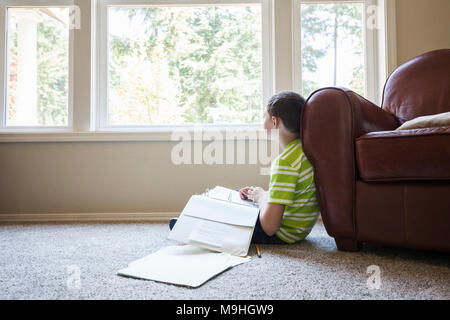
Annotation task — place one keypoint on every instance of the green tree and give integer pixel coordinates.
(335, 22)
(52, 70)
(53, 67)
(210, 55)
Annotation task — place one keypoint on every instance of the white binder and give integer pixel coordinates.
(217, 220)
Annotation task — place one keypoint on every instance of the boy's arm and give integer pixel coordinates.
(270, 215)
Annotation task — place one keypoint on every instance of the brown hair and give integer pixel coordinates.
(287, 106)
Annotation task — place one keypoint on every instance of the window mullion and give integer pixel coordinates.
(3, 66)
(371, 54)
(102, 66)
(296, 46)
(81, 72)
(283, 45)
(267, 45)
(380, 45)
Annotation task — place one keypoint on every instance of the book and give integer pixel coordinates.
(218, 220)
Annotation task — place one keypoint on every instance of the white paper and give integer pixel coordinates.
(221, 211)
(183, 265)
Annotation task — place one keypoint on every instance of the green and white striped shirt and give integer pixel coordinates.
(292, 184)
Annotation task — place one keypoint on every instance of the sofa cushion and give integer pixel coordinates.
(418, 154)
(432, 121)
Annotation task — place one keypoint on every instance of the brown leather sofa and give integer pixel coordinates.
(375, 184)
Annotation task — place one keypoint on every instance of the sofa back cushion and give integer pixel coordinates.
(420, 87)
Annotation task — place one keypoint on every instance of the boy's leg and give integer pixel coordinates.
(172, 223)
(260, 237)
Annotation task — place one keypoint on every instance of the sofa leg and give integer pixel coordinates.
(344, 244)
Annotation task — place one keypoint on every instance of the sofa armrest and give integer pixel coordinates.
(332, 120)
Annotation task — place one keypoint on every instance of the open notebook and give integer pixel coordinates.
(218, 220)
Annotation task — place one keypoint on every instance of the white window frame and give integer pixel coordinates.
(4, 5)
(380, 55)
(102, 61)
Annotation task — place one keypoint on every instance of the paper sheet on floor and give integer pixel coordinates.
(182, 265)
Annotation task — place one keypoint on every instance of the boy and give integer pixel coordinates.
(289, 209)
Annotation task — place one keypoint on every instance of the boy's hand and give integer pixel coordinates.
(254, 194)
(244, 193)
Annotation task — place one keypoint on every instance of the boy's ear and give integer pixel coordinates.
(276, 122)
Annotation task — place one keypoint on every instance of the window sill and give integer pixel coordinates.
(157, 134)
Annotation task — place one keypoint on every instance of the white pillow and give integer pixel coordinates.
(435, 120)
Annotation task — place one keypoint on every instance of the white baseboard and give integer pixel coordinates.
(88, 217)
(92, 217)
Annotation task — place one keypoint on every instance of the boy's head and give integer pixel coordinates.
(283, 112)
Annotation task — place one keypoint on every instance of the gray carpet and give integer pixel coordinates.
(35, 257)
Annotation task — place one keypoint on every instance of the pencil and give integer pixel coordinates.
(258, 251)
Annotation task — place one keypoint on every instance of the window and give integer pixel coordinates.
(340, 43)
(332, 46)
(37, 67)
(182, 64)
(115, 66)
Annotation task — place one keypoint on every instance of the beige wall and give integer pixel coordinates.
(139, 176)
(422, 25)
(103, 177)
